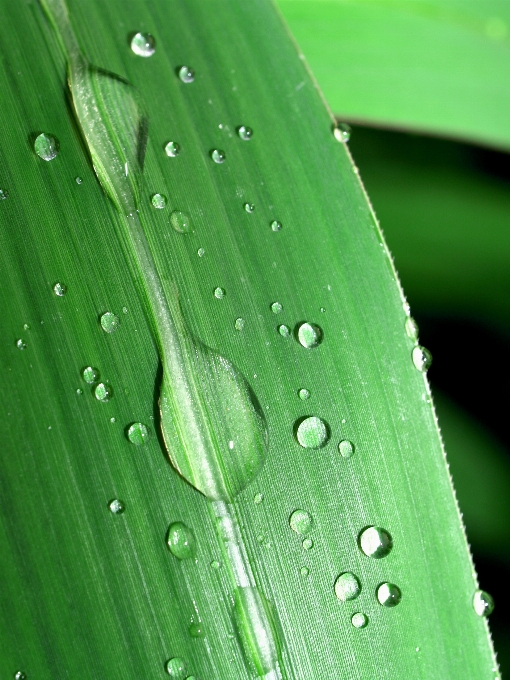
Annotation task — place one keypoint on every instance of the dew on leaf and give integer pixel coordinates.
(375, 542)
(158, 201)
(310, 335)
(245, 132)
(389, 595)
(342, 132)
(359, 620)
(312, 432)
(218, 156)
(46, 146)
(181, 541)
(186, 74)
(116, 506)
(109, 322)
(483, 603)
(346, 448)
(347, 587)
(90, 375)
(138, 433)
(143, 44)
(180, 222)
(172, 149)
(60, 289)
(422, 358)
(276, 226)
(103, 392)
(301, 522)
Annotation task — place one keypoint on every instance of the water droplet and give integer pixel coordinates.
(172, 149)
(190, 677)
(310, 335)
(176, 667)
(79, 391)
(158, 201)
(197, 630)
(20, 676)
(346, 448)
(342, 132)
(239, 324)
(215, 564)
(276, 226)
(276, 307)
(125, 310)
(78, 180)
(301, 522)
(304, 571)
(46, 146)
(422, 358)
(307, 544)
(323, 309)
(137, 433)
(359, 620)
(347, 587)
(103, 392)
(180, 222)
(112, 420)
(90, 375)
(200, 252)
(3, 194)
(116, 506)
(186, 74)
(181, 541)
(258, 498)
(483, 603)
(389, 595)
(143, 44)
(411, 328)
(218, 155)
(26, 327)
(304, 394)
(109, 322)
(21, 344)
(261, 538)
(60, 289)
(249, 207)
(375, 542)
(219, 293)
(245, 132)
(284, 331)
(312, 433)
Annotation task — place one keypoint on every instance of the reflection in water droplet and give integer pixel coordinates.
(78, 180)
(116, 506)
(304, 394)
(422, 358)
(21, 344)
(323, 309)
(143, 44)
(304, 571)
(284, 331)
(245, 132)
(59, 289)
(312, 433)
(180, 222)
(359, 620)
(346, 448)
(90, 375)
(276, 226)
(186, 74)
(46, 147)
(181, 541)
(103, 392)
(276, 307)
(249, 207)
(176, 667)
(3, 194)
(138, 433)
(109, 322)
(218, 155)
(258, 498)
(158, 201)
(389, 595)
(79, 391)
(411, 328)
(307, 544)
(172, 149)
(342, 132)
(347, 587)
(375, 542)
(197, 630)
(301, 522)
(239, 324)
(215, 564)
(483, 603)
(219, 293)
(310, 335)
(20, 676)
(200, 252)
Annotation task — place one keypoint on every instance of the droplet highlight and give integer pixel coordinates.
(138, 433)
(78, 180)
(3, 194)
(172, 149)
(103, 392)
(116, 506)
(176, 667)
(483, 603)
(301, 522)
(422, 358)
(90, 375)
(158, 201)
(346, 448)
(276, 226)
(143, 44)
(347, 587)
(21, 344)
(342, 132)
(186, 74)
(46, 146)
(359, 620)
(60, 289)
(375, 542)
(389, 595)
(312, 433)
(310, 335)
(19, 675)
(180, 222)
(219, 293)
(249, 207)
(218, 156)
(245, 132)
(181, 541)
(109, 322)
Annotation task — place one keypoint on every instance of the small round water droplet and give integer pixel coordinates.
(138, 433)
(112, 420)
(276, 226)
(346, 448)
(261, 538)
(342, 132)
(219, 293)
(78, 180)
(239, 324)
(116, 506)
(276, 307)
(422, 358)
(483, 603)
(301, 522)
(21, 344)
(304, 571)
(60, 289)
(109, 322)
(180, 222)
(143, 44)
(304, 394)
(323, 309)
(249, 207)
(181, 541)
(375, 542)
(245, 132)
(200, 252)
(26, 327)
(411, 328)
(20, 676)
(158, 201)
(389, 595)
(310, 335)
(215, 564)
(90, 375)
(125, 310)
(3, 194)
(359, 620)
(347, 587)
(103, 392)
(186, 74)
(307, 544)
(79, 391)
(197, 630)
(312, 433)
(284, 331)
(218, 155)
(46, 146)
(176, 667)
(258, 498)
(172, 149)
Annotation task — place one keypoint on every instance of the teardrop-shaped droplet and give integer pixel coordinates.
(60, 289)
(301, 522)
(359, 620)
(176, 667)
(342, 132)
(411, 328)
(46, 146)
(109, 322)
(422, 358)
(186, 74)
(172, 149)
(90, 375)
(103, 392)
(312, 432)
(138, 433)
(483, 603)
(375, 542)
(158, 201)
(346, 448)
(245, 132)
(389, 595)
(180, 222)
(310, 335)
(218, 156)
(143, 44)
(181, 541)
(347, 587)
